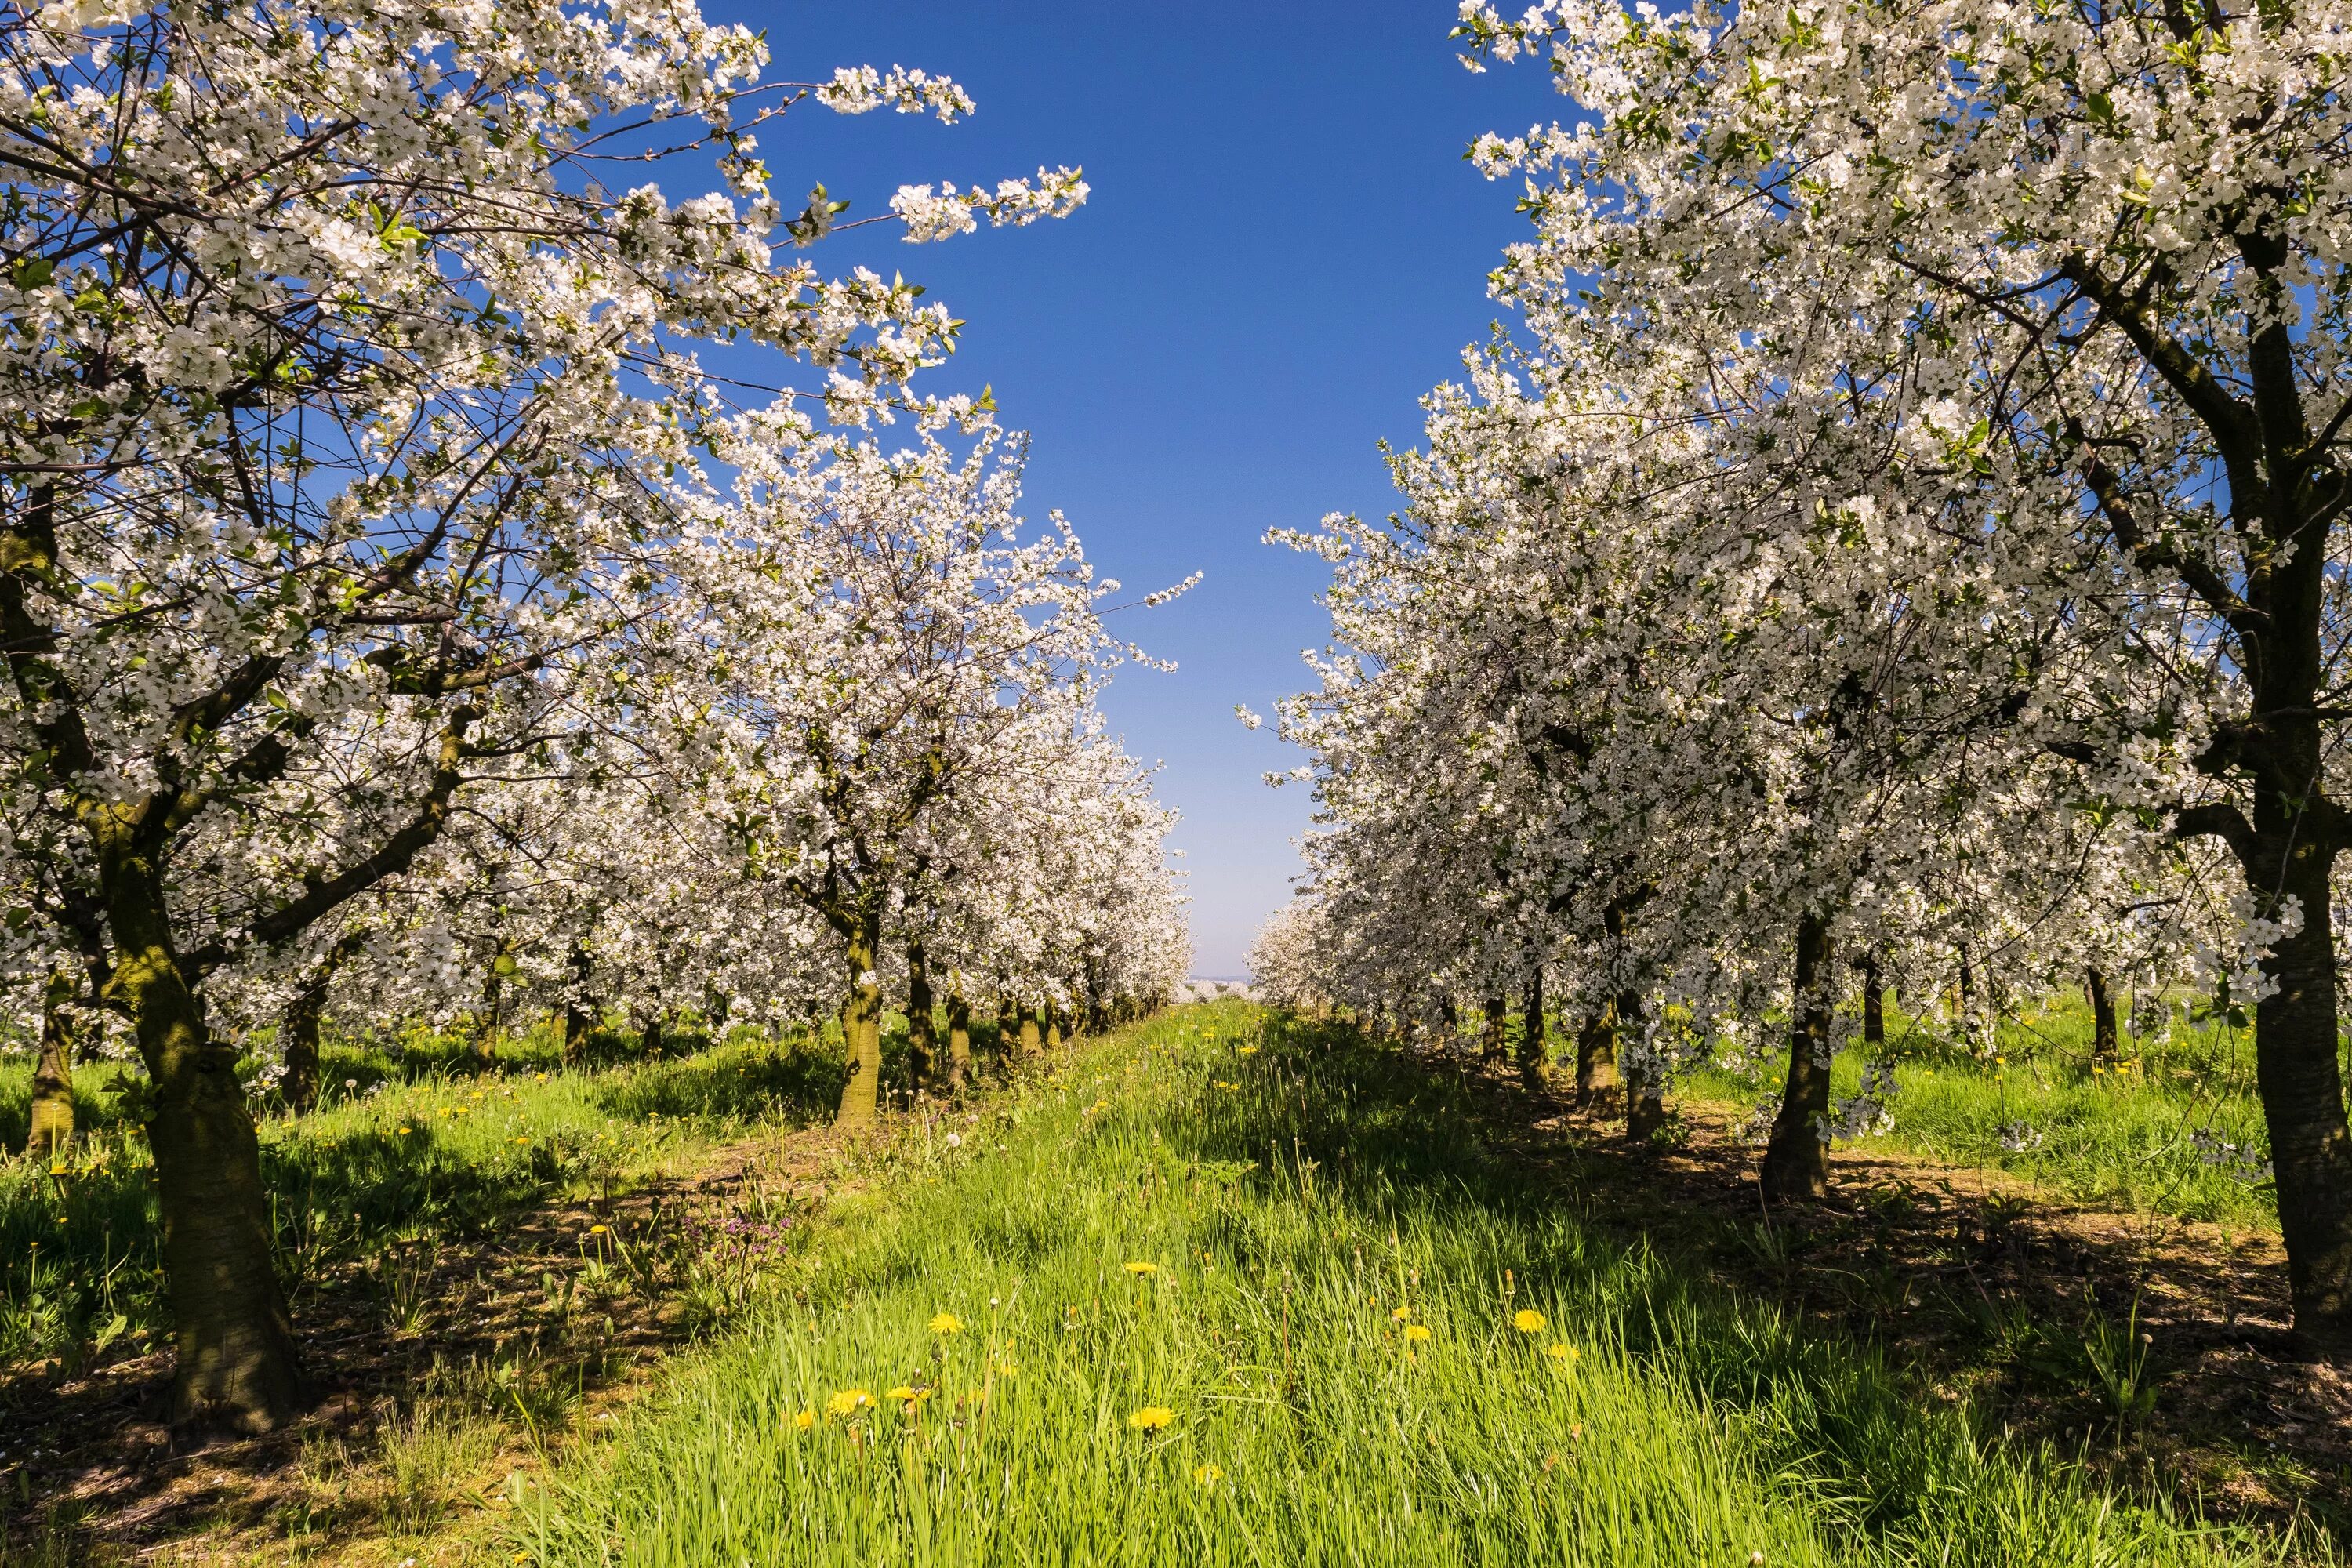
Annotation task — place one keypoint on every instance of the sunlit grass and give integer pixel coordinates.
(405, 1147)
(1260, 1298)
(2040, 1107)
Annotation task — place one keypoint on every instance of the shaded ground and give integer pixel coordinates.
(2157, 1349)
(443, 1369)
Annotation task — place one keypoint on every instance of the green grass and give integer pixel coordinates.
(1293, 1190)
(2117, 1139)
(419, 1147)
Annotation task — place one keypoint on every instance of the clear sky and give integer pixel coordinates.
(1284, 249)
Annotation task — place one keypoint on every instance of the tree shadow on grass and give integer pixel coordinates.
(1873, 1344)
(402, 1251)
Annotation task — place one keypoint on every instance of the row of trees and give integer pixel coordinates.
(1900, 544)
(402, 619)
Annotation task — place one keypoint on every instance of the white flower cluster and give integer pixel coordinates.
(2237, 1159)
(858, 90)
(942, 213)
(1865, 1113)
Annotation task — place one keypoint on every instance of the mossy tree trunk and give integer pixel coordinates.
(53, 1091)
(1033, 1040)
(237, 1361)
(861, 1024)
(1596, 1055)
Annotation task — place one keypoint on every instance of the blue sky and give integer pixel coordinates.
(1284, 249)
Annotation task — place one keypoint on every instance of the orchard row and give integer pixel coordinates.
(428, 596)
(1899, 542)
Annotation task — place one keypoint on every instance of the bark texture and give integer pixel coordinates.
(1796, 1160)
(861, 1028)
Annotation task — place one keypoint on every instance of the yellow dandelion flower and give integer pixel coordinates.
(1006, 1369)
(1402, 1313)
(404, 1131)
(1208, 1474)
(1564, 1354)
(805, 1420)
(1139, 1268)
(847, 1402)
(947, 1323)
(1151, 1418)
(1528, 1320)
(1416, 1332)
(909, 1394)
(596, 1230)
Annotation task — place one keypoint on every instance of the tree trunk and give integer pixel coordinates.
(959, 1039)
(2103, 1018)
(53, 1094)
(1796, 1158)
(579, 1012)
(304, 1014)
(1596, 1055)
(1053, 1026)
(1535, 1057)
(2296, 1043)
(1874, 1005)
(922, 1027)
(485, 1043)
(1493, 1048)
(236, 1359)
(1033, 1041)
(861, 1026)
(1645, 1097)
(649, 1038)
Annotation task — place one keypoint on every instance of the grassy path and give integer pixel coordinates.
(1227, 1290)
